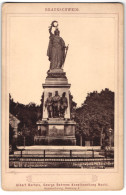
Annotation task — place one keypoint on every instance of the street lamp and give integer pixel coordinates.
(110, 141)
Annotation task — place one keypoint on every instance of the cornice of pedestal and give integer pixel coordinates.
(54, 121)
(56, 85)
(56, 78)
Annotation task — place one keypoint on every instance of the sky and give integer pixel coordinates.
(90, 60)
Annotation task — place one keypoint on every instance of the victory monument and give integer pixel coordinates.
(57, 126)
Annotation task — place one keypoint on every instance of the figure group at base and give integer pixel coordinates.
(56, 106)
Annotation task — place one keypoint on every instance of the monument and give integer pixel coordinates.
(57, 126)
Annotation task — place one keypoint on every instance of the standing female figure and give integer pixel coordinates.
(56, 49)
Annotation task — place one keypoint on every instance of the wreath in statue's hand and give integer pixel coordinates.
(54, 23)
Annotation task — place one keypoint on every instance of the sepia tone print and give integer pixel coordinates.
(63, 86)
(90, 127)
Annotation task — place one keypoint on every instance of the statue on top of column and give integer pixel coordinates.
(56, 49)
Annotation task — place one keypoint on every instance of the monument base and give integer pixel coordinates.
(55, 132)
(54, 141)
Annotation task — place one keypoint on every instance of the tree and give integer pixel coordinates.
(96, 115)
(28, 115)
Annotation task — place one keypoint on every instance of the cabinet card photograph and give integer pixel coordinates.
(62, 96)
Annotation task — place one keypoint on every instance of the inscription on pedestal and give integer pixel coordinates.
(56, 130)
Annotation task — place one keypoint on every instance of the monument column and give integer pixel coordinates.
(56, 126)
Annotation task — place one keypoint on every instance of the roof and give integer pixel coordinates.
(13, 121)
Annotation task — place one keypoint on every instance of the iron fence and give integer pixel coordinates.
(50, 158)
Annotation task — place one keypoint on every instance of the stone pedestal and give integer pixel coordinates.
(56, 81)
(56, 131)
